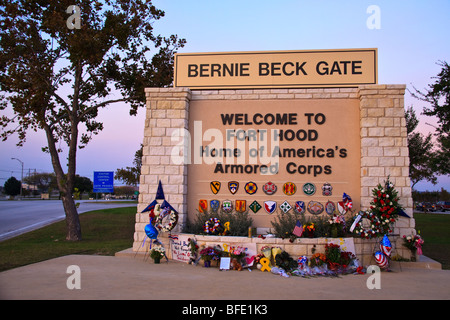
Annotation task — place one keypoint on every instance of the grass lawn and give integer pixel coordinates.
(104, 232)
(435, 231)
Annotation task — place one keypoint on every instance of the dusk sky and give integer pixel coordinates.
(412, 37)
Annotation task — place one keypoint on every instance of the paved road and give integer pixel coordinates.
(17, 217)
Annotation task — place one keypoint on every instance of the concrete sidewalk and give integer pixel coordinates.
(125, 277)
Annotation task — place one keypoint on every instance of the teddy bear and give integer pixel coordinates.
(235, 265)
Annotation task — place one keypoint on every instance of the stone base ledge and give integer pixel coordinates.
(364, 248)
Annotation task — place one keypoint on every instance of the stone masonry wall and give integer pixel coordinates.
(384, 149)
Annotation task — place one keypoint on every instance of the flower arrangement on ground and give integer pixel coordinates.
(285, 261)
(157, 253)
(237, 253)
(413, 243)
(317, 260)
(384, 211)
(193, 247)
(209, 254)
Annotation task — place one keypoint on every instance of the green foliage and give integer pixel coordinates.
(437, 96)
(57, 79)
(239, 222)
(421, 154)
(105, 233)
(12, 186)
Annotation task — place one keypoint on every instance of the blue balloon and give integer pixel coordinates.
(151, 231)
(385, 241)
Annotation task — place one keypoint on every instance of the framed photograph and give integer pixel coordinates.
(225, 263)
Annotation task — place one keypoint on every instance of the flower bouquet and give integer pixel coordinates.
(208, 254)
(309, 229)
(384, 211)
(237, 253)
(317, 260)
(193, 247)
(157, 253)
(413, 243)
(336, 226)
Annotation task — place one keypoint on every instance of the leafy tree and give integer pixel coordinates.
(131, 175)
(421, 155)
(83, 184)
(126, 191)
(438, 96)
(42, 180)
(56, 79)
(12, 187)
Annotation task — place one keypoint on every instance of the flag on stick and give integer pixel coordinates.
(298, 229)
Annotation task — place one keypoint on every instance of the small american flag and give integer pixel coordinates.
(298, 229)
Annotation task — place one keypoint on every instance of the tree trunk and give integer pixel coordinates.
(65, 184)
(72, 218)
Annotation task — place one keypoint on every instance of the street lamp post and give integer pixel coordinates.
(21, 179)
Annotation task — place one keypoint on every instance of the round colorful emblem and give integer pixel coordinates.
(289, 188)
(309, 189)
(269, 188)
(251, 187)
(315, 207)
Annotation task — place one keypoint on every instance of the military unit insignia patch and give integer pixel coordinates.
(227, 206)
(285, 207)
(315, 207)
(270, 206)
(233, 186)
(215, 186)
(215, 205)
(255, 206)
(300, 207)
(309, 189)
(269, 188)
(251, 187)
(202, 205)
(326, 189)
(330, 207)
(241, 205)
(289, 188)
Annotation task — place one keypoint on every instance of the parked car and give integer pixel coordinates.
(426, 207)
(443, 206)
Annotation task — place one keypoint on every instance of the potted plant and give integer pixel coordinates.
(336, 226)
(157, 253)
